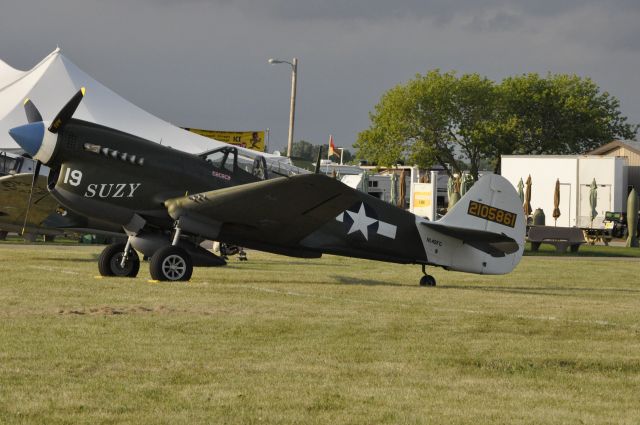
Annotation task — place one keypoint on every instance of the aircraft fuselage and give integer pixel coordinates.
(110, 175)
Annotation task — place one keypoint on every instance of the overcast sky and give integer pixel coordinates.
(203, 63)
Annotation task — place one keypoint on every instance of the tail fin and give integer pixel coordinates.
(488, 225)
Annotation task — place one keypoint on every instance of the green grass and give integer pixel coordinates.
(585, 250)
(14, 238)
(278, 341)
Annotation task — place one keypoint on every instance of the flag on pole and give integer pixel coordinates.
(332, 147)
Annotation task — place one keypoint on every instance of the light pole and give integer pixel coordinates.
(292, 111)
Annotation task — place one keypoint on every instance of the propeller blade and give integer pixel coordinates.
(67, 111)
(33, 115)
(36, 173)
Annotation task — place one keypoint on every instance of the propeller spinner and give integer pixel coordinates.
(33, 138)
(41, 143)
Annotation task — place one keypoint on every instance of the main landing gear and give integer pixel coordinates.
(171, 263)
(112, 261)
(427, 279)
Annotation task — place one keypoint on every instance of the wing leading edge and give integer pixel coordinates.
(278, 211)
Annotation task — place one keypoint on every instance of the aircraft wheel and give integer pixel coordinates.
(427, 280)
(111, 257)
(171, 263)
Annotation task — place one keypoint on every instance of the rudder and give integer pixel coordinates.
(490, 223)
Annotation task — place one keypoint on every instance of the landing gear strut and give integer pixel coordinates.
(113, 262)
(427, 279)
(171, 263)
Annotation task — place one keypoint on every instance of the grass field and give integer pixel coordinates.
(278, 340)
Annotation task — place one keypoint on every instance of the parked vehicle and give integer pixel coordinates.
(617, 223)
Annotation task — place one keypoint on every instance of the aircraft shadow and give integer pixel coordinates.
(69, 260)
(350, 280)
(556, 291)
(258, 264)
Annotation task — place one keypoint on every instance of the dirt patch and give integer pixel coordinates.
(114, 311)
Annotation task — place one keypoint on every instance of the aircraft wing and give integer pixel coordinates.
(280, 211)
(494, 244)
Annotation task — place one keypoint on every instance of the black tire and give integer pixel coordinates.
(427, 280)
(171, 263)
(110, 258)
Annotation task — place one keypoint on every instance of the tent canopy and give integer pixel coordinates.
(52, 82)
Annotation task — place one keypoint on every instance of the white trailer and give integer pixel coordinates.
(576, 174)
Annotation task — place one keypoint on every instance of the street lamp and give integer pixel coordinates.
(292, 111)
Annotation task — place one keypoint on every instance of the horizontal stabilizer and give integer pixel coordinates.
(494, 244)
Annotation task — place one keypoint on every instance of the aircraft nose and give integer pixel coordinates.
(29, 137)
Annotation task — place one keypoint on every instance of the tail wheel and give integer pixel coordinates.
(110, 261)
(427, 280)
(171, 263)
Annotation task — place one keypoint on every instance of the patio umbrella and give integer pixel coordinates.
(556, 202)
(364, 182)
(403, 188)
(450, 187)
(467, 182)
(527, 197)
(593, 200)
(521, 190)
(453, 187)
(393, 196)
(632, 221)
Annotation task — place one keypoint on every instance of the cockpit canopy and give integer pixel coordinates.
(231, 159)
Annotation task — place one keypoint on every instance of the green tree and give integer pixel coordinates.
(302, 150)
(435, 118)
(559, 114)
(439, 118)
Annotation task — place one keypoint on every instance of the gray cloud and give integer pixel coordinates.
(202, 63)
(498, 21)
(417, 9)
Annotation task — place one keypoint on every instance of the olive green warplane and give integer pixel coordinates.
(166, 201)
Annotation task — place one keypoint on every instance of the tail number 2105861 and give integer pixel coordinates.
(490, 213)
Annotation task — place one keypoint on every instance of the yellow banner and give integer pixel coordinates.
(247, 139)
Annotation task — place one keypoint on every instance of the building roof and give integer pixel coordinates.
(628, 144)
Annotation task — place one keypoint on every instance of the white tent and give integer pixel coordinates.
(52, 82)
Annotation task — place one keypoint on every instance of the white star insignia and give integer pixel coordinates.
(361, 221)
